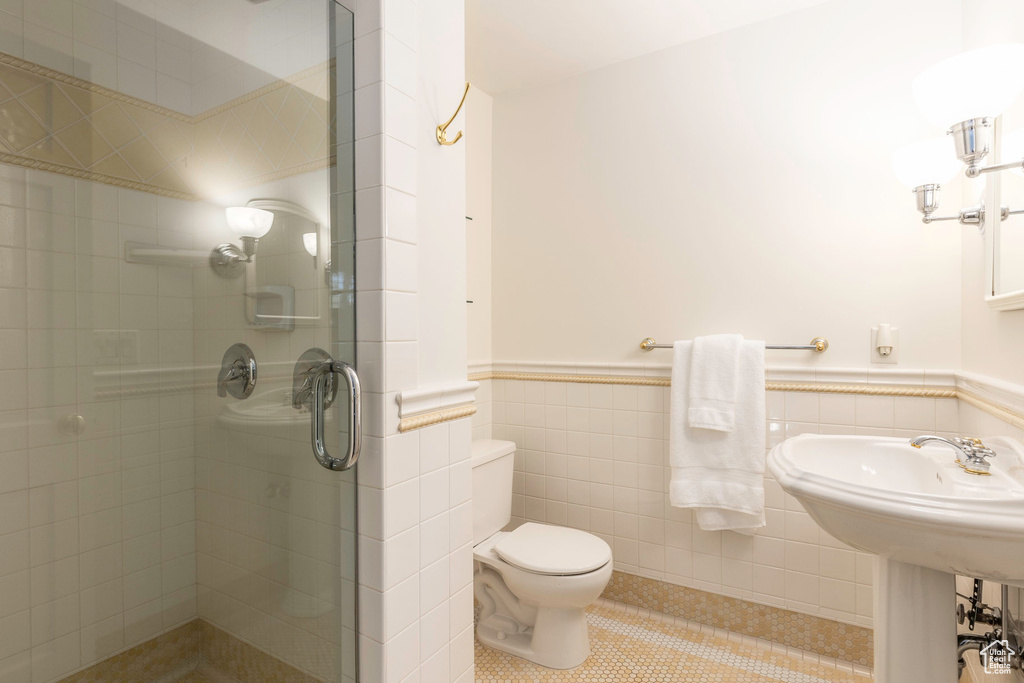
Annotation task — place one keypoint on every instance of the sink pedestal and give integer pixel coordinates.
(915, 627)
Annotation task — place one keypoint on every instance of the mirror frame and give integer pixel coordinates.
(1007, 301)
(286, 322)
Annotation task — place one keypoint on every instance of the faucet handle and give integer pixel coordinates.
(973, 444)
(225, 375)
(976, 462)
(238, 372)
(976, 454)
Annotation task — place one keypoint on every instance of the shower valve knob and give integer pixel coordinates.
(238, 372)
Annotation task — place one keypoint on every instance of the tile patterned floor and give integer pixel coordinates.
(205, 674)
(631, 646)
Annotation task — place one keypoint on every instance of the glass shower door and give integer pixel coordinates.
(176, 231)
(275, 530)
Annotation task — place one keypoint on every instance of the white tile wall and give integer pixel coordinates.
(415, 512)
(594, 457)
(97, 551)
(416, 548)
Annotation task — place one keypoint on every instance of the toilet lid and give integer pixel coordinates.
(553, 550)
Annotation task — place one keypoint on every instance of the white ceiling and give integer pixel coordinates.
(518, 44)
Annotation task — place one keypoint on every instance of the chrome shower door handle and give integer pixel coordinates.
(315, 387)
(319, 410)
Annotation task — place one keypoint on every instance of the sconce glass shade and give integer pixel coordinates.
(309, 243)
(928, 162)
(245, 221)
(971, 85)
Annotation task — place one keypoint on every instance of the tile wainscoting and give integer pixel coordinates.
(594, 455)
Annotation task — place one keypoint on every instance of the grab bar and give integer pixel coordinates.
(314, 388)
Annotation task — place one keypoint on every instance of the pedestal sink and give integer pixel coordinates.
(926, 520)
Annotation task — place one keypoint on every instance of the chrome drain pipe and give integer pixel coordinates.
(1002, 632)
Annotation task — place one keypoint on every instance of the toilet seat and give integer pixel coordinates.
(553, 550)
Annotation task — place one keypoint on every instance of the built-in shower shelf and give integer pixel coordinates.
(137, 252)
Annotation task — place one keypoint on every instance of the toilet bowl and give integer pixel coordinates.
(534, 583)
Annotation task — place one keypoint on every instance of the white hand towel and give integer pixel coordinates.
(720, 474)
(713, 380)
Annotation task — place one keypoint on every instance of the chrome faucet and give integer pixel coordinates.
(972, 451)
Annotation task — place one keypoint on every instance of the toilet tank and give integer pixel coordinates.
(492, 486)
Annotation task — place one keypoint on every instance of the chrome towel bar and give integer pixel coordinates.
(818, 345)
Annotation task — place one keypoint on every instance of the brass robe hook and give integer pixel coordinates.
(442, 130)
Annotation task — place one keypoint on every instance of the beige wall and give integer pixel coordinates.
(478, 231)
(737, 183)
(440, 188)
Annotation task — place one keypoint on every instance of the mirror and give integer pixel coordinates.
(1005, 240)
(285, 282)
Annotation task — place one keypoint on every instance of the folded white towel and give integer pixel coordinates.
(712, 386)
(720, 474)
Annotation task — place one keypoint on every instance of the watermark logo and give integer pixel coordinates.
(996, 656)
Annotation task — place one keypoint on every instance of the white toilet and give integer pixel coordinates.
(533, 583)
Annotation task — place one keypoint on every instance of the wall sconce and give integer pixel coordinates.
(309, 240)
(249, 224)
(966, 93)
(923, 167)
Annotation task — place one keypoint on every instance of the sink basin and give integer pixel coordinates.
(271, 409)
(913, 505)
(925, 519)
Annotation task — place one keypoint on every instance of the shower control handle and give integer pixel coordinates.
(314, 387)
(238, 372)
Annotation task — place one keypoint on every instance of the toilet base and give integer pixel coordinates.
(558, 638)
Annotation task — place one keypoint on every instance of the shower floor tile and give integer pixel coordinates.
(631, 646)
(205, 674)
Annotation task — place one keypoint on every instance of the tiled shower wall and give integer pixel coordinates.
(99, 547)
(595, 457)
(97, 531)
(196, 56)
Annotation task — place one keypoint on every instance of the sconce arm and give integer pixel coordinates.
(972, 215)
(975, 171)
(936, 219)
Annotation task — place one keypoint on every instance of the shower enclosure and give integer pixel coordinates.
(177, 306)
